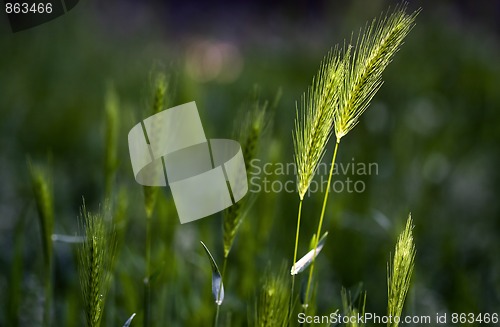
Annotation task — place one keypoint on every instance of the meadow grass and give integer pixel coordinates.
(399, 272)
(348, 78)
(351, 308)
(313, 129)
(42, 186)
(160, 85)
(271, 305)
(348, 82)
(96, 255)
(112, 128)
(250, 130)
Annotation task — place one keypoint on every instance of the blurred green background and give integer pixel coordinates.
(433, 130)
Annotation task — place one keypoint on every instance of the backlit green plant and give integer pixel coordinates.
(158, 277)
(151, 195)
(399, 273)
(359, 79)
(251, 130)
(41, 182)
(271, 307)
(96, 255)
(111, 107)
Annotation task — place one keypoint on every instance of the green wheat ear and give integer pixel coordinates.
(96, 256)
(111, 107)
(151, 193)
(160, 90)
(400, 271)
(271, 307)
(41, 182)
(315, 117)
(374, 50)
(251, 132)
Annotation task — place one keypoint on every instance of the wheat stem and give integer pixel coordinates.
(48, 293)
(216, 323)
(320, 225)
(299, 214)
(399, 272)
(150, 196)
(147, 285)
(111, 140)
(43, 190)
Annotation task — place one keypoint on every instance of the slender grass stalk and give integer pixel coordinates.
(251, 132)
(111, 139)
(216, 322)
(320, 224)
(399, 273)
(295, 253)
(313, 129)
(362, 79)
(17, 271)
(147, 286)
(150, 196)
(42, 187)
(219, 293)
(217, 285)
(350, 310)
(112, 127)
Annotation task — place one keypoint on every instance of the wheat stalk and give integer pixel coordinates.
(111, 138)
(41, 182)
(374, 50)
(313, 128)
(251, 131)
(150, 196)
(160, 90)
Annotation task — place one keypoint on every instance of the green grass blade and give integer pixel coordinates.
(217, 285)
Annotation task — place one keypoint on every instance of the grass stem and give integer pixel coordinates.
(299, 214)
(320, 225)
(41, 181)
(147, 285)
(216, 323)
(48, 293)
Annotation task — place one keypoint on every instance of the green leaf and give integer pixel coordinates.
(129, 321)
(306, 260)
(217, 286)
